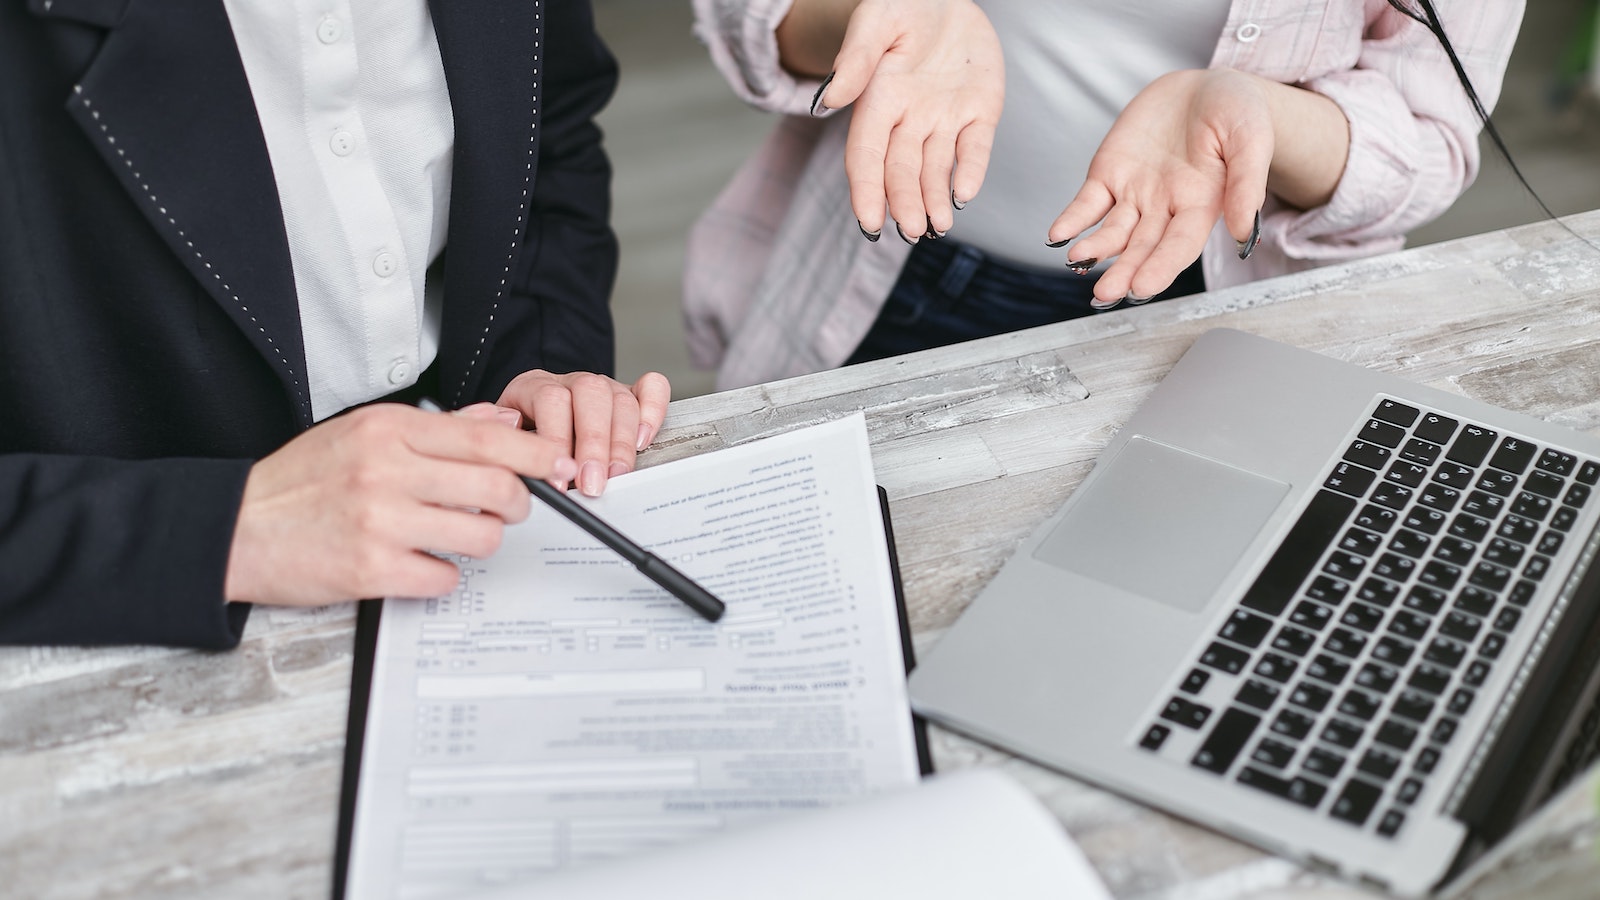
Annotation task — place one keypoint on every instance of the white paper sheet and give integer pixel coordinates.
(974, 833)
(560, 709)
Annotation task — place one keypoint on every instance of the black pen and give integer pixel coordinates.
(654, 567)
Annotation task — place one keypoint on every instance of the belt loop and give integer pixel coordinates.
(958, 273)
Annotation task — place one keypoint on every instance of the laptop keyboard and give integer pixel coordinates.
(1352, 658)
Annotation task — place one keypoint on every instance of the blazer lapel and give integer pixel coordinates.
(167, 104)
(491, 55)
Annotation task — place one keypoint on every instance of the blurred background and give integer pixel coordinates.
(676, 134)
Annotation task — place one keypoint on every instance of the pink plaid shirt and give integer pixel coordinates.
(779, 282)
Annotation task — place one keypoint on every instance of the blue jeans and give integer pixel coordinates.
(950, 292)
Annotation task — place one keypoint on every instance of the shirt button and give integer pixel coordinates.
(329, 30)
(342, 143)
(1248, 32)
(399, 372)
(383, 264)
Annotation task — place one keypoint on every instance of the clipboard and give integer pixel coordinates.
(369, 616)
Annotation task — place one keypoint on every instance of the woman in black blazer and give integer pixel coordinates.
(157, 451)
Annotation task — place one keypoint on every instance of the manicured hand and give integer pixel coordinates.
(602, 422)
(355, 506)
(927, 81)
(1192, 146)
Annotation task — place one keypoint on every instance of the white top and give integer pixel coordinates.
(352, 101)
(1071, 66)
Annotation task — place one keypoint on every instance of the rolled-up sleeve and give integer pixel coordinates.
(1413, 131)
(741, 36)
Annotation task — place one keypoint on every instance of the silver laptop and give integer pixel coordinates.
(1341, 616)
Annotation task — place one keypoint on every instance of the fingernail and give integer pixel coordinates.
(932, 234)
(1248, 247)
(564, 470)
(1113, 303)
(618, 468)
(958, 204)
(645, 435)
(869, 235)
(1057, 245)
(903, 237)
(1082, 266)
(509, 416)
(816, 99)
(1137, 301)
(592, 480)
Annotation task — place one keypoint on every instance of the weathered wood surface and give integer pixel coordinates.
(151, 772)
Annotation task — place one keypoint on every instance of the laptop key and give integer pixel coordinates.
(1444, 730)
(1383, 433)
(1292, 724)
(1360, 541)
(1368, 454)
(1310, 696)
(1323, 762)
(1392, 650)
(1427, 521)
(1514, 455)
(1557, 462)
(1486, 505)
(1410, 625)
(1475, 674)
(1425, 599)
(1537, 567)
(1245, 628)
(1544, 484)
(1256, 693)
(1345, 642)
(1532, 505)
(1396, 734)
(1453, 475)
(1577, 495)
(1276, 667)
(1342, 734)
(1436, 428)
(1413, 705)
(1409, 543)
(1225, 658)
(1186, 712)
(1154, 737)
(1294, 559)
(1379, 519)
(1475, 600)
(1460, 702)
(1391, 823)
(1394, 567)
(1469, 527)
(1550, 542)
(1431, 679)
(1445, 652)
(1351, 479)
(1358, 705)
(1302, 791)
(1440, 575)
(1437, 496)
(1502, 552)
(1427, 760)
(1408, 474)
(1490, 576)
(1195, 681)
(1314, 616)
(1327, 590)
(1519, 529)
(1362, 616)
(1293, 641)
(1455, 551)
(1497, 482)
(1378, 592)
(1327, 668)
(1507, 619)
(1461, 626)
(1396, 412)
(1420, 452)
(1521, 593)
(1589, 472)
(1272, 753)
(1493, 643)
(1472, 445)
(1377, 678)
(1394, 496)
(1379, 763)
(1355, 802)
(1232, 731)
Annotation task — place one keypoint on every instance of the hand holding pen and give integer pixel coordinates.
(651, 566)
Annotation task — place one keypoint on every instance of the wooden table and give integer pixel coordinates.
(155, 772)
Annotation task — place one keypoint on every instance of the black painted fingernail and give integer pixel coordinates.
(1249, 246)
(958, 204)
(869, 235)
(932, 234)
(1057, 245)
(903, 237)
(1082, 266)
(816, 99)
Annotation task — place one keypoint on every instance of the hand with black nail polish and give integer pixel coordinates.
(1191, 147)
(926, 81)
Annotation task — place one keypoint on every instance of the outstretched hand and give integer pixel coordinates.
(927, 81)
(1192, 146)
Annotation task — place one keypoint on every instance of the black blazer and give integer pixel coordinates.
(150, 344)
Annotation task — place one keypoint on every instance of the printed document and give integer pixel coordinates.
(560, 709)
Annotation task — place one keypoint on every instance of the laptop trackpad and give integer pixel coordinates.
(1162, 523)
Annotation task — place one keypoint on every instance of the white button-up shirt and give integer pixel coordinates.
(352, 101)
